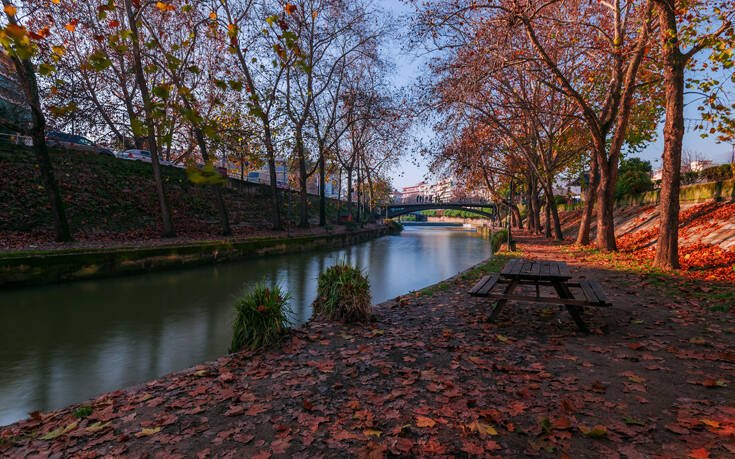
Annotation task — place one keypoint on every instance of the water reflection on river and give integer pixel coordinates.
(64, 344)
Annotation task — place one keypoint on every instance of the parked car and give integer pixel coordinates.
(75, 142)
(142, 155)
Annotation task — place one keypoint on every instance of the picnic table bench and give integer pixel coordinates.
(541, 273)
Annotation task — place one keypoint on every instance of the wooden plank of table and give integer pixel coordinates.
(589, 293)
(488, 286)
(536, 269)
(526, 268)
(508, 268)
(543, 299)
(517, 268)
(564, 269)
(479, 285)
(598, 291)
(544, 271)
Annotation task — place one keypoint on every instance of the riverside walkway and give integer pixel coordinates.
(430, 376)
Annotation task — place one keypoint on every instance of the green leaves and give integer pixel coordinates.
(99, 61)
(162, 91)
(206, 175)
(46, 69)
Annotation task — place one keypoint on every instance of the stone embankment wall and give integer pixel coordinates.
(21, 269)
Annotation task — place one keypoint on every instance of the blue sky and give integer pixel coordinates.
(409, 66)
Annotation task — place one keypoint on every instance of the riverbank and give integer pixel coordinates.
(110, 201)
(430, 377)
(36, 267)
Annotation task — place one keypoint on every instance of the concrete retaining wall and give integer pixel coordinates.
(59, 266)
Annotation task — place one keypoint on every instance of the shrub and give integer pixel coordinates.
(687, 178)
(499, 238)
(717, 173)
(394, 227)
(262, 318)
(343, 293)
(632, 183)
(351, 225)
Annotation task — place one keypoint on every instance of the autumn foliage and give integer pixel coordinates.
(697, 259)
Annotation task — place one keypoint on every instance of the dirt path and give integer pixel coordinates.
(431, 377)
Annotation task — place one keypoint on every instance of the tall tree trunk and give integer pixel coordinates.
(358, 193)
(558, 235)
(536, 209)
(547, 222)
(667, 246)
(349, 191)
(322, 191)
(221, 208)
(219, 199)
(605, 237)
(583, 236)
(553, 224)
(24, 67)
(516, 219)
(303, 197)
(339, 194)
(168, 227)
(270, 152)
(530, 222)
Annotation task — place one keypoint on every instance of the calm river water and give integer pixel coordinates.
(64, 344)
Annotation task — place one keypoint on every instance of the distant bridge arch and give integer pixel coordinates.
(398, 209)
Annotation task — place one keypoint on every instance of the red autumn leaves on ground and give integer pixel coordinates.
(429, 376)
(697, 260)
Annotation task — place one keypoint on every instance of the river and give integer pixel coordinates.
(67, 343)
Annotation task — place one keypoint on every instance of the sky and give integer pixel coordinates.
(409, 65)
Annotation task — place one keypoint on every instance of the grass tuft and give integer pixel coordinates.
(82, 412)
(343, 294)
(262, 318)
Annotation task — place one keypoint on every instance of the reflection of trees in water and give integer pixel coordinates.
(101, 335)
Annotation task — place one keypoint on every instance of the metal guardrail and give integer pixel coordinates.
(16, 139)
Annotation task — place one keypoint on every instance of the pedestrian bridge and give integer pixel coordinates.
(397, 209)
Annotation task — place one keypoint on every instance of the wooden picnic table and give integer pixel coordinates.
(541, 273)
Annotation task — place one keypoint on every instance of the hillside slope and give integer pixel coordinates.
(110, 199)
(706, 234)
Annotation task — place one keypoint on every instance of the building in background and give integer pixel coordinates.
(445, 190)
(700, 165)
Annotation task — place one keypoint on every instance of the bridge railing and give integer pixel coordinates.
(413, 202)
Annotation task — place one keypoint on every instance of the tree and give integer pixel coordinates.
(251, 32)
(589, 52)
(326, 35)
(634, 177)
(17, 42)
(178, 69)
(149, 110)
(681, 24)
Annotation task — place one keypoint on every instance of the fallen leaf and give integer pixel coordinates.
(423, 421)
(59, 431)
(148, 432)
(597, 431)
